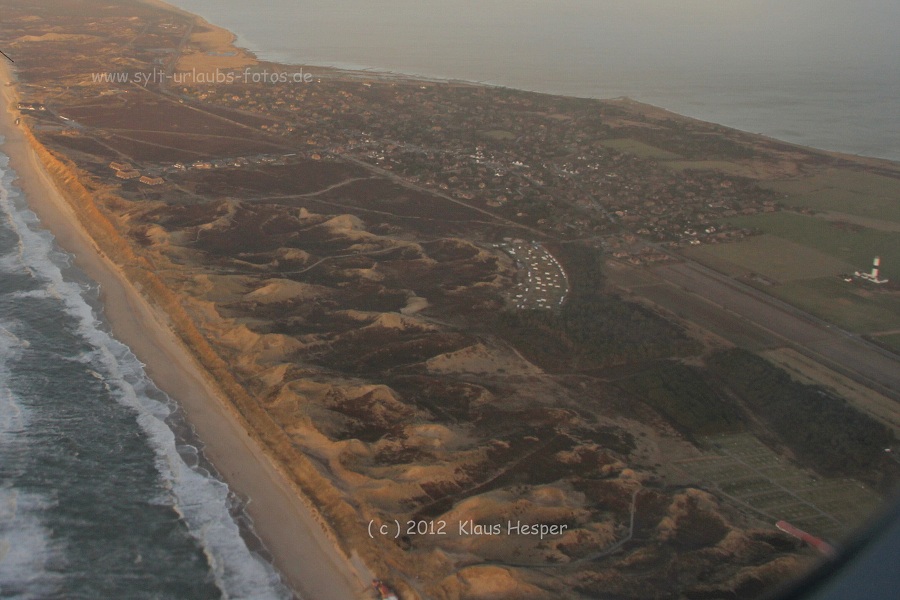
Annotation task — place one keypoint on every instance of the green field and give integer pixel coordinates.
(630, 146)
(499, 134)
(724, 166)
(841, 303)
(857, 246)
(805, 254)
(773, 257)
(892, 340)
(841, 190)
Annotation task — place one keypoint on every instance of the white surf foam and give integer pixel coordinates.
(25, 543)
(12, 419)
(201, 500)
(25, 548)
(28, 294)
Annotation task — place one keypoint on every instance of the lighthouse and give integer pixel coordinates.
(875, 275)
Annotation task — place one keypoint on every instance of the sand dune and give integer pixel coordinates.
(304, 550)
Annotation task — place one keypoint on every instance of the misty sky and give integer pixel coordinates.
(658, 33)
(820, 72)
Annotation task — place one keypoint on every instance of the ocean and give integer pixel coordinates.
(820, 73)
(104, 492)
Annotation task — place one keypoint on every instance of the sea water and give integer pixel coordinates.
(98, 496)
(822, 74)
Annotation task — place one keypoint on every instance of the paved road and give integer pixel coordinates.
(840, 350)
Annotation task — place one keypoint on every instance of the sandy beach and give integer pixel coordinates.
(303, 551)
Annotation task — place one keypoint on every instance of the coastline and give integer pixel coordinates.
(386, 74)
(699, 107)
(305, 554)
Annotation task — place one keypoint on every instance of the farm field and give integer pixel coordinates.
(892, 340)
(750, 474)
(799, 259)
(773, 257)
(724, 166)
(637, 148)
(842, 190)
(851, 243)
(841, 303)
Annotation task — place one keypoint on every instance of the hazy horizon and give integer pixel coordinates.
(648, 33)
(824, 73)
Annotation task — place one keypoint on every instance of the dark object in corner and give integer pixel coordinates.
(866, 567)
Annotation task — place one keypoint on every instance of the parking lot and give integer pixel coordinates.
(541, 281)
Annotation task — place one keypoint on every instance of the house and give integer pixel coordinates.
(151, 180)
(128, 174)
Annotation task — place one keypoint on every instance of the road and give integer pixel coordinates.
(840, 350)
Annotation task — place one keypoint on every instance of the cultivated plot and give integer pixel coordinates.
(750, 474)
(852, 192)
(772, 257)
(850, 243)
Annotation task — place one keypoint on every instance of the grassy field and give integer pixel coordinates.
(773, 257)
(630, 146)
(842, 303)
(854, 245)
(842, 190)
(804, 254)
(750, 473)
(892, 340)
(729, 168)
(499, 134)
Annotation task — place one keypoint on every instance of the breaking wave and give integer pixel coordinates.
(203, 501)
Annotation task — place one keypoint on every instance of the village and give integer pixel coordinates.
(550, 163)
(519, 159)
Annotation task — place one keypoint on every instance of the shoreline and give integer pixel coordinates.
(304, 553)
(386, 74)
